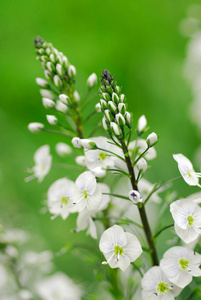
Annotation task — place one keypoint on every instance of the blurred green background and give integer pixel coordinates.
(140, 43)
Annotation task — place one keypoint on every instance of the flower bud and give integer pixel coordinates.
(50, 66)
(128, 119)
(76, 96)
(48, 103)
(60, 70)
(65, 62)
(41, 51)
(105, 123)
(76, 142)
(92, 80)
(64, 98)
(142, 123)
(106, 96)
(63, 149)
(48, 74)
(60, 106)
(80, 160)
(117, 89)
(35, 127)
(52, 58)
(42, 82)
(46, 94)
(108, 115)
(71, 71)
(120, 119)
(152, 139)
(48, 51)
(142, 165)
(52, 119)
(11, 251)
(122, 108)
(103, 104)
(88, 144)
(112, 107)
(98, 107)
(122, 98)
(98, 172)
(44, 58)
(115, 128)
(115, 97)
(60, 58)
(134, 196)
(57, 81)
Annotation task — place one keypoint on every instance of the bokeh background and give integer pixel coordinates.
(140, 43)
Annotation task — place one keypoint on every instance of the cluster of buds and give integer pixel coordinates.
(113, 105)
(56, 66)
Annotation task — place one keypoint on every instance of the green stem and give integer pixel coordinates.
(111, 153)
(141, 207)
(164, 228)
(57, 132)
(66, 166)
(117, 195)
(122, 221)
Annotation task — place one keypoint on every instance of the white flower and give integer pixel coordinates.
(142, 165)
(59, 69)
(76, 141)
(134, 196)
(80, 160)
(152, 139)
(187, 217)
(98, 172)
(180, 264)
(87, 193)
(52, 120)
(92, 80)
(186, 170)
(42, 82)
(98, 107)
(87, 143)
(43, 161)
(140, 146)
(60, 106)
(46, 94)
(120, 119)
(71, 71)
(48, 103)
(57, 81)
(59, 197)
(58, 287)
(115, 128)
(76, 96)
(35, 127)
(119, 247)
(156, 285)
(99, 158)
(64, 98)
(142, 123)
(63, 149)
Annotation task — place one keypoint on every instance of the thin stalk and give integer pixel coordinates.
(141, 155)
(89, 117)
(57, 132)
(118, 171)
(122, 221)
(111, 153)
(117, 195)
(137, 268)
(141, 207)
(161, 230)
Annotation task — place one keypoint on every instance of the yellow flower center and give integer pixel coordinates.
(184, 263)
(190, 220)
(162, 287)
(102, 156)
(85, 194)
(118, 250)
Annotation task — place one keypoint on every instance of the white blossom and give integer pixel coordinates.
(142, 165)
(58, 287)
(71, 71)
(57, 81)
(87, 143)
(142, 123)
(76, 96)
(156, 285)
(98, 107)
(87, 193)
(48, 103)
(186, 170)
(115, 128)
(76, 141)
(46, 94)
(119, 248)
(152, 139)
(180, 264)
(92, 80)
(134, 196)
(42, 82)
(59, 197)
(52, 120)
(139, 147)
(80, 160)
(60, 106)
(187, 217)
(35, 127)
(63, 149)
(64, 98)
(43, 161)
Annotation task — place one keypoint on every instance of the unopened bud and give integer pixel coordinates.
(105, 123)
(120, 119)
(112, 107)
(71, 71)
(98, 107)
(52, 119)
(103, 104)
(106, 96)
(48, 103)
(76, 142)
(115, 98)
(35, 127)
(76, 96)
(50, 66)
(108, 115)
(98, 172)
(117, 89)
(142, 123)
(57, 81)
(52, 58)
(46, 94)
(152, 139)
(60, 70)
(134, 196)
(128, 119)
(64, 98)
(65, 62)
(48, 74)
(42, 82)
(122, 108)
(92, 80)
(122, 98)
(60, 106)
(88, 144)
(63, 149)
(115, 128)
(48, 51)
(80, 160)
(60, 59)
(142, 165)
(44, 58)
